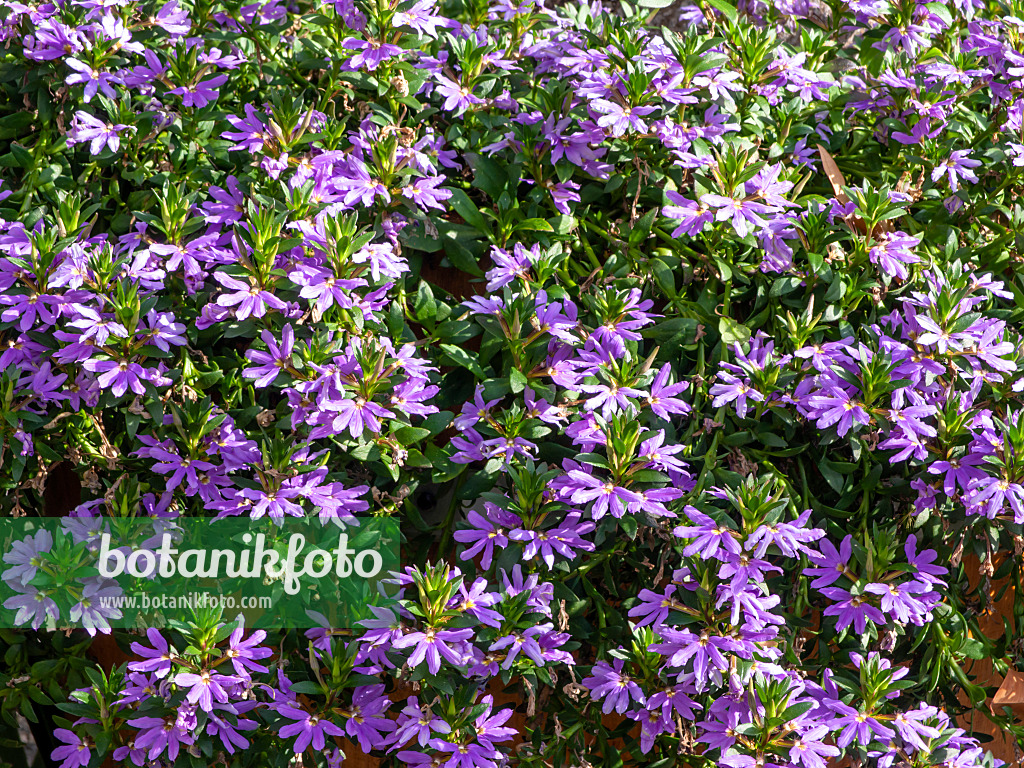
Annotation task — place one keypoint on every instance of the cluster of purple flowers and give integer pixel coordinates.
(227, 293)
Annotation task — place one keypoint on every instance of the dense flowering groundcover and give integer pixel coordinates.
(688, 360)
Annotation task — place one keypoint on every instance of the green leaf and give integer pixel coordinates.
(835, 480)
(12, 125)
(517, 381)
(461, 357)
(727, 9)
(461, 257)
(783, 286)
(409, 435)
(732, 332)
(462, 205)
(562, 224)
(941, 11)
(487, 175)
(664, 276)
(534, 225)
(425, 305)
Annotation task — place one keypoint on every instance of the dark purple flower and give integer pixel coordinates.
(851, 609)
(308, 729)
(75, 751)
(160, 736)
(157, 659)
(245, 653)
(269, 365)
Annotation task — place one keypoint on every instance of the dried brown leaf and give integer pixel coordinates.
(1012, 689)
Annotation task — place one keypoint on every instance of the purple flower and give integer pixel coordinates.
(461, 755)
(709, 537)
(99, 134)
(371, 53)
(357, 186)
(743, 213)
(96, 605)
(457, 98)
(269, 365)
(94, 80)
(157, 659)
(900, 601)
(160, 736)
(486, 533)
(118, 375)
(422, 17)
(732, 389)
(425, 193)
(662, 397)
(206, 687)
(857, 725)
(809, 750)
(179, 468)
(252, 133)
(617, 689)
(52, 40)
(33, 607)
(606, 495)
(417, 721)
(489, 728)
(525, 642)
(924, 561)
(309, 729)
(789, 538)
(366, 722)
(671, 700)
(357, 415)
(830, 563)
(619, 119)
(245, 653)
(25, 556)
(432, 644)
(562, 193)
(892, 252)
(833, 405)
(173, 19)
(142, 76)
(564, 540)
(956, 166)
(250, 300)
(31, 309)
(851, 609)
(276, 505)
(200, 94)
(694, 218)
(705, 651)
(75, 751)
(990, 495)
